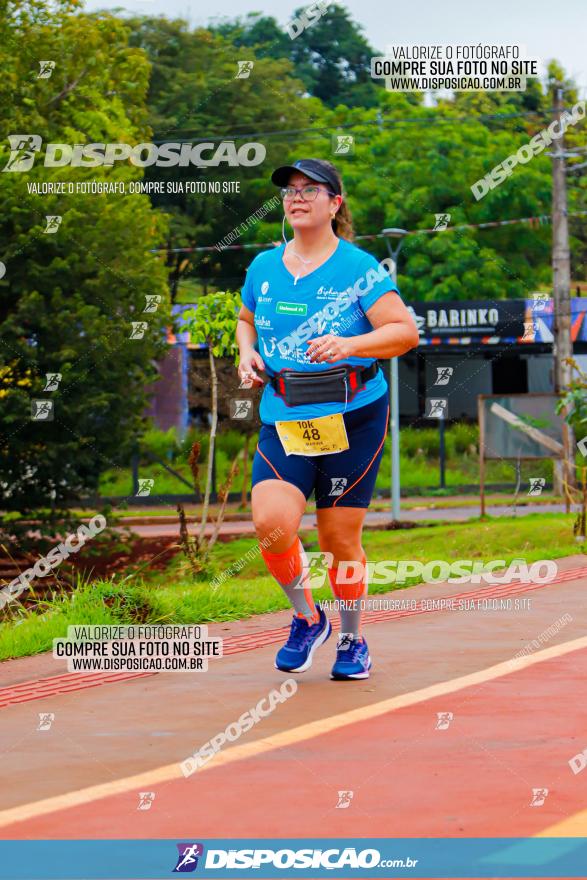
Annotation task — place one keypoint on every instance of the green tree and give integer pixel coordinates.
(411, 162)
(256, 31)
(213, 322)
(68, 299)
(575, 144)
(331, 57)
(195, 96)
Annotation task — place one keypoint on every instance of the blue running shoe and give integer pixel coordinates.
(304, 638)
(352, 658)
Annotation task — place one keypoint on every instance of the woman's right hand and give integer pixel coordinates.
(250, 361)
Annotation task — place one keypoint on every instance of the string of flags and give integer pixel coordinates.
(440, 226)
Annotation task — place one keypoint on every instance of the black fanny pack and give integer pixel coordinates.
(335, 385)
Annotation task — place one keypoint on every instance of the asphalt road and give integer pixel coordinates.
(451, 514)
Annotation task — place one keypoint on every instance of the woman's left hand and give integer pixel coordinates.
(329, 348)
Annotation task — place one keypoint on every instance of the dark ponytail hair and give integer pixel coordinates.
(342, 224)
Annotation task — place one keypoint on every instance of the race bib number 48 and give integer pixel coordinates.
(321, 436)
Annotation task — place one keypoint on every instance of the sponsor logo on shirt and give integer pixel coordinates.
(263, 298)
(262, 321)
(285, 308)
(327, 293)
(332, 310)
(270, 349)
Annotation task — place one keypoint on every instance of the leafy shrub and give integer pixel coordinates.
(464, 436)
(163, 444)
(231, 442)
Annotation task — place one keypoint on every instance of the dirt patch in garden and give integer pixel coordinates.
(137, 554)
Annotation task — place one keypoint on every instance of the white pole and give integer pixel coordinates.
(395, 472)
(394, 392)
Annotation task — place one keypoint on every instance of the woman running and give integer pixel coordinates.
(317, 313)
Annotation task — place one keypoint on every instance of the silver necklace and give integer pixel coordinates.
(305, 262)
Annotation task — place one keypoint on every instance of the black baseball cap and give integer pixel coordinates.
(312, 168)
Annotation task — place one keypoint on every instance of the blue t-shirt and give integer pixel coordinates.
(331, 299)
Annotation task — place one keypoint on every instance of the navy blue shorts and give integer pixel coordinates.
(342, 479)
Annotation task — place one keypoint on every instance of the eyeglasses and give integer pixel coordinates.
(308, 193)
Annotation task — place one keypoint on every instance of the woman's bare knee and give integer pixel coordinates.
(277, 510)
(342, 549)
(340, 533)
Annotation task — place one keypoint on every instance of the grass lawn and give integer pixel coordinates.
(419, 459)
(416, 502)
(174, 597)
(418, 473)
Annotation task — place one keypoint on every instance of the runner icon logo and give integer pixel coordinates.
(540, 302)
(244, 69)
(343, 144)
(444, 719)
(42, 410)
(539, 795)
(314, 574)
(578, 762)
(46, 68)
(187, 860)
(338, 485)
(46, 719)
(444, 374)
(437, 408)
(441, 222)
(537, 484)
(23, 148)
(344, 800)
(53, 223)
(146, 799)
(52, 381)
(153, 301)
(241, 409)
(138, 329)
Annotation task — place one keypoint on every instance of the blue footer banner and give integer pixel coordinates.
(510, 857)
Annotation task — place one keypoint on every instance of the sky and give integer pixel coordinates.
(548, 29)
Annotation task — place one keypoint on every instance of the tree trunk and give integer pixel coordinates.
(562, 347)
(214, 384)
(245, 469)
(558, 483)
(222, 508)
